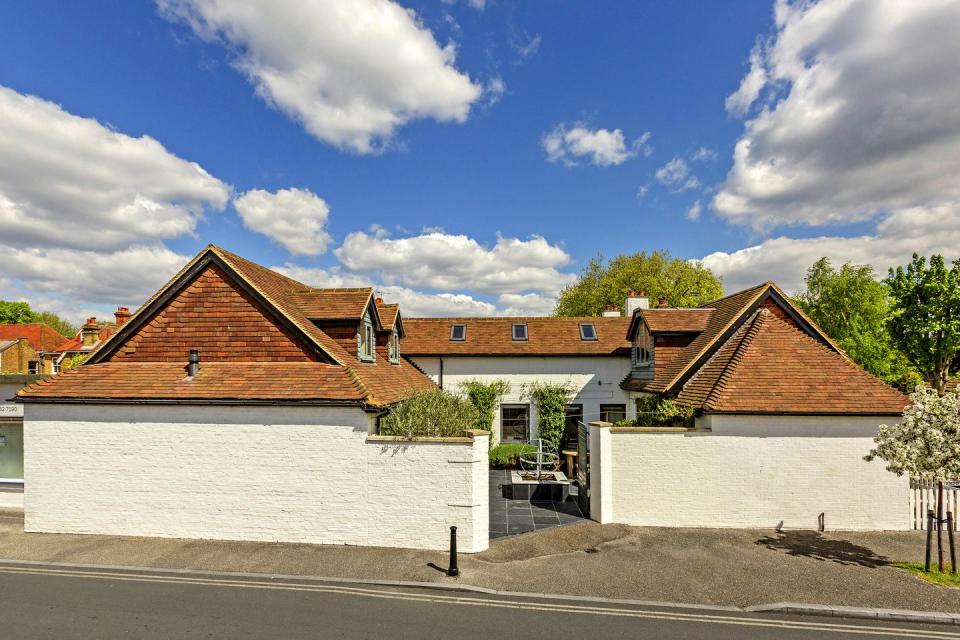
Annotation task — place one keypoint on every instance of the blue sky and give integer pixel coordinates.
(467, 158)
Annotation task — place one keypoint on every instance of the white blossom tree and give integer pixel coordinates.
(926, 443)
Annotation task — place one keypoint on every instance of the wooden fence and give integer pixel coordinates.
(923, 497)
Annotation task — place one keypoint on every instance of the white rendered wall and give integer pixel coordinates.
(703, 479)
(595, 379)
(290, 474)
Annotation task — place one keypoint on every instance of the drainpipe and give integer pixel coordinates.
(441, 372)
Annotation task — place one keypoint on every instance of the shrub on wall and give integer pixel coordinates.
(507, 456)
(551, 401)
(431, 413)
(654, 411)
(485, 398)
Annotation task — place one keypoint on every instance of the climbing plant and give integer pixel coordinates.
(551, 401)
(485, 397)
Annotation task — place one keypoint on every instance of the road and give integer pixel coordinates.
(47, 601)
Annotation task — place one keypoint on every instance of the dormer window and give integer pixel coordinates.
(393, 347)
(458, 332)
(643, 350)
(519, 331)
(366, 341)
(588, 332)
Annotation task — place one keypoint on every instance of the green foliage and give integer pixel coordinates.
(485, 398)
(21, 313)
(431, 413)
(943, 578)
(551, 401)
(852, 307)
(654, 411)
(682, 283)
(507, 456)
(925, 318)
(73, 361)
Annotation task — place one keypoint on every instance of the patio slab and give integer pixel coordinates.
(513, 517)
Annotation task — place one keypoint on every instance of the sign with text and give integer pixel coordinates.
(10, 410)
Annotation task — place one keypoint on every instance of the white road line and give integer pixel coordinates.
(488, 602)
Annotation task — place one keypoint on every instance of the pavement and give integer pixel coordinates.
(719, 567)
(56, 602)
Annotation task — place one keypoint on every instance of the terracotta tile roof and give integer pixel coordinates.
(676, 320)
(493, 336)
(75, 344)
(40, 336)
(333, 304)
(771, 366)
(388, 314)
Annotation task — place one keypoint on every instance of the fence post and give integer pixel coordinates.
(953, 549)
(926, 559)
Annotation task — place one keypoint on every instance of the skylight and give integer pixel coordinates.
(519, 332)
(458, 332)
(588, 332)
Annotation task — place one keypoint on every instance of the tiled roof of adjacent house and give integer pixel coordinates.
(494, 336)
(39, 335)
(243, 367)
(388, 314)
(76, 342)
(771, 366)
(675, 320)
(333, 304)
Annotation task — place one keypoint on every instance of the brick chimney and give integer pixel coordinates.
(90, 332)
(122, 314)
(661, 303)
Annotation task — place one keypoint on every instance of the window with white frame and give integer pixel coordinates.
(394, 347)
(588, 331)
(366, 342)
(519, 331)
(514, 422)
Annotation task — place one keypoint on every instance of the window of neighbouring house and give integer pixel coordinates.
(33, 368)
(55, 366)
(574, 416)
(613, 412)
(514, 422)
(394, 347)
(519, 331)
(458, 332)
(588, 332)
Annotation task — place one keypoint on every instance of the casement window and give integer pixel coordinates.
(613, 412)
(514, 422)
(366, 343)
(642, 355)
(33, 367)
(458, 332)
(588, 331)
(393, 347)
(520, 331)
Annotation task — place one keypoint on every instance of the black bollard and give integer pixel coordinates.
(453, 570)
(926, 560)
(953, 549)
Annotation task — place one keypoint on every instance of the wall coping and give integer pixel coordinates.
(651, 430)
(405, 440)
(601, 424)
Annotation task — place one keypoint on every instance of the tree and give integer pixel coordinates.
(485, 398)
(683, 283)
(925, 317)
(56, 323)
(926, 443)
(15, 312)
(852, 306)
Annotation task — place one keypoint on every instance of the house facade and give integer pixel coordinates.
(69, 353)
(22, 346)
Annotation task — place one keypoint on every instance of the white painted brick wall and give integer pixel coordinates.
(261, 473)
(709, 480)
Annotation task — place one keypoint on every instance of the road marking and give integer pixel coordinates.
(486, 602)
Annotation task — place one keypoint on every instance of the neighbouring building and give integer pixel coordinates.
(70, 352)
(21, 346)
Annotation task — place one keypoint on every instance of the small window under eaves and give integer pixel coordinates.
(458, 332)
(520, 331)
(588, 332)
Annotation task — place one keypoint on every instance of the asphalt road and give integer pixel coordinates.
(46, 601)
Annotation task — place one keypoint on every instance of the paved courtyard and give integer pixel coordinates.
(510, 517)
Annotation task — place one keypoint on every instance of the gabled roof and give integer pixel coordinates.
(337, 376)
(770, 366)
(75, 344)
(671, 320)
(334, 304)
(494, 336)
(39, 335)
(389, 314)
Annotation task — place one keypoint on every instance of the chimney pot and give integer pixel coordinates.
(122, 314)
(379, 300)
(193, 363)
(634, 302)
(661, 302)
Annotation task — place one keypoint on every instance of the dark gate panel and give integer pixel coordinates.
(583, 468)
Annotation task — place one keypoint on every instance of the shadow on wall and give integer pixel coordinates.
(812, 544)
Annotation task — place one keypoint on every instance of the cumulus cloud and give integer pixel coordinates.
(445, 261)
(573, 144)
(293, 218)
(526, 304)
(72, 182)
(350, 72)
(676, 176)
(693, 213)
(738, 102)
(704, 154)
(862, 115)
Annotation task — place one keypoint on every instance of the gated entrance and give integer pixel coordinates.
(583, 468)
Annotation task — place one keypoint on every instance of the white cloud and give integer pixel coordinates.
(704, 154)
(693, 213)
(738, 102)
(527, 46)
(456, 262)
(71, 181)
(862, 115)
(526, 304)
(350, 72)
(333, 278)
(675, 175)
(571, 145)
(294, 218)
(496, 89)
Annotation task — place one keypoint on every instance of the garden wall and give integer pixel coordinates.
(287, 474)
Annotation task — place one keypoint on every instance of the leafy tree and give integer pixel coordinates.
(681, 282)
(926, 443)
(15, 312)
(925, 317)
(56, 323)
(852, 306)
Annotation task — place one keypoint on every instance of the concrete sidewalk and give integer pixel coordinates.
(698, 566)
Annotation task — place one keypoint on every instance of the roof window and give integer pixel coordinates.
(588, 331)
(519, 332)
(458, 332)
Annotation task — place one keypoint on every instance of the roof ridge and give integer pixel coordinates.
(736, 293)
(359, 384)
(751, 327)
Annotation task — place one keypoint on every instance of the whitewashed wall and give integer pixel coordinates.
(596, 379)
(290, 474)
(777, 477)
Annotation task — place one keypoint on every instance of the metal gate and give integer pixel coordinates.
(583, 468)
